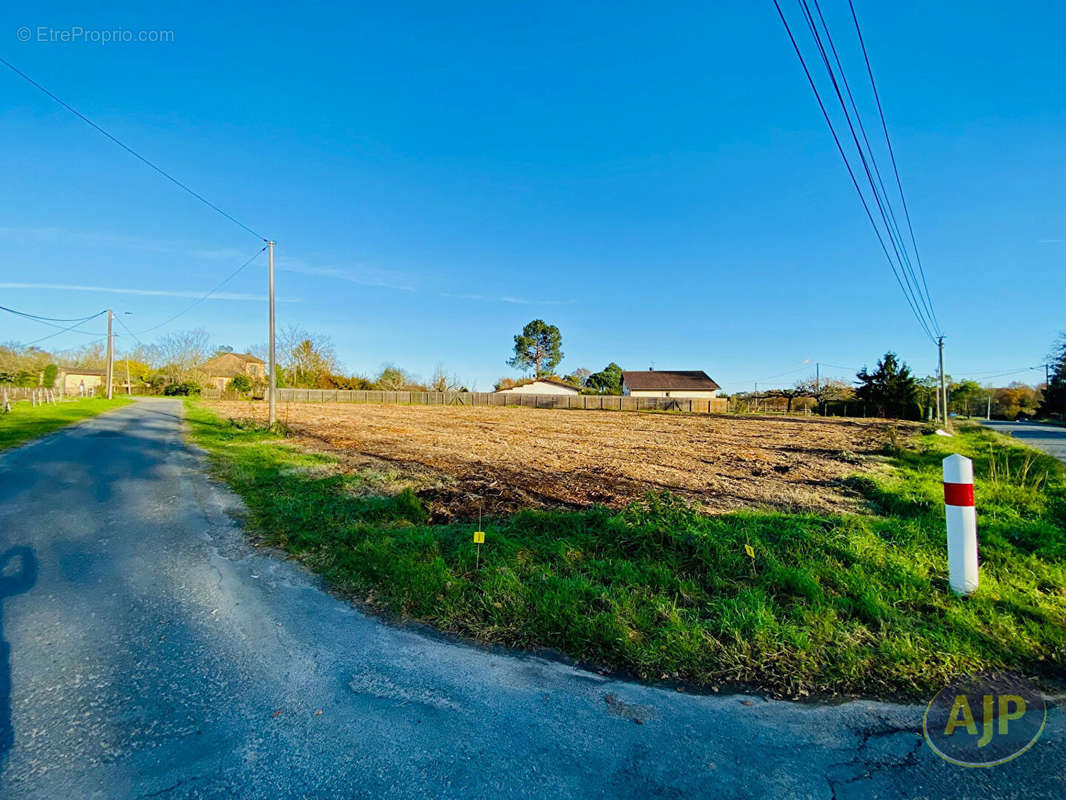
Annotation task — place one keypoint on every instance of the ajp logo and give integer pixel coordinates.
(983, 721)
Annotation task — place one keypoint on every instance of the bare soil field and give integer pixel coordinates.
(464, 459)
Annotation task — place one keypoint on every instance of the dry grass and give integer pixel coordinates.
(461, 460)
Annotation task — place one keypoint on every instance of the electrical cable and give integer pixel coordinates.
(197, 302)
(129, 149)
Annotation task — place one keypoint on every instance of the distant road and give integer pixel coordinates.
(147, 650)
(1049, 438)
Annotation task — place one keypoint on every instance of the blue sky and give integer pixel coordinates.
(655, 180)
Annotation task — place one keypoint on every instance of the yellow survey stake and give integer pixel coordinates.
(479, 537)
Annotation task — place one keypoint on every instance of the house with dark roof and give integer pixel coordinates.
(225, 366)
(685, 383)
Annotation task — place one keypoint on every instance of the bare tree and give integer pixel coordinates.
(442, 382)
(307, 358)
(183, 352)
(92, 355)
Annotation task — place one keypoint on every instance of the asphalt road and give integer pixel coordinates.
(150, 652)
(1049, 438)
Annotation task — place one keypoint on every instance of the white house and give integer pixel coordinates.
(688, 384)
(541, 386)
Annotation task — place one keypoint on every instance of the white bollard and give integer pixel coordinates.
(962, 524)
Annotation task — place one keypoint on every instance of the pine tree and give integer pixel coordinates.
(890, 389)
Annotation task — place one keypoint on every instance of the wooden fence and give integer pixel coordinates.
(588, 402)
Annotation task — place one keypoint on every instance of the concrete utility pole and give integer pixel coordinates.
(817, 376)
(110, 355)
(273, 380)
(988, 410)
(942, 400)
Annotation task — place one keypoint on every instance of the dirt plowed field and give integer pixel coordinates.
(461, 459)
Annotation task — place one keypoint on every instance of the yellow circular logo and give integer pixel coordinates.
(984, 720)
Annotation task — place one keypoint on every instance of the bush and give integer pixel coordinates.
(183, 389)
(240, 383)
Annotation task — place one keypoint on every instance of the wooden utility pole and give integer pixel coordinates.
(273, 380)
(942, 400)
(110, 355)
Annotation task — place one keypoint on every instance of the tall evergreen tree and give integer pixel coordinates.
(890, 390)
(538, 346)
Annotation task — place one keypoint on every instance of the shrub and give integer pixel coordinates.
(183, 389)
(240, 383)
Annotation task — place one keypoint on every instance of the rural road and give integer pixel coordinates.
(147, 651)
(1049, 438)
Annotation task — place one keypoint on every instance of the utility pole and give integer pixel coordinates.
(273, 381)
(942, 400)
(817, 376)
(110, 355)
(988, 411)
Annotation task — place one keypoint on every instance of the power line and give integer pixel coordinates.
(851, 172)
(43, 320)
(129, 149)
(126, 328)
(65, 330)
(883, 202)
(892, 157)
(866, 163)
(197, 302)
(48, 319)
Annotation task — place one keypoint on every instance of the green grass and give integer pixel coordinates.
(851, 604)
(26, 422)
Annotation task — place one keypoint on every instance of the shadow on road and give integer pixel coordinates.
(18, 573)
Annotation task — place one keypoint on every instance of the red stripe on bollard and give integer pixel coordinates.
(958, 494)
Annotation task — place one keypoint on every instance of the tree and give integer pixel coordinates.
(890, 389)
(789, 394)
(825, 390)
(240, 383)
(182, 354)
(51, 372)
(441, 382)
(962, 396)
(578, 377)
(1014, 401)
(93, 356)
(607, 381)
(308, 359)
(391, 379)
(537, 346)
(1054, 400)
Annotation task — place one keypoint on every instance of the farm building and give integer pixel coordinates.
(222, 368)
(688, 384)
(79, 380)
(541, 386)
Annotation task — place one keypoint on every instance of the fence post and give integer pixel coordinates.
(961, 518)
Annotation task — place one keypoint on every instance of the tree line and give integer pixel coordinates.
(891, 390)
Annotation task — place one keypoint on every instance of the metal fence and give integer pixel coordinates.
(588, 402)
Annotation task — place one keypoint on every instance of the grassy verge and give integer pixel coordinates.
(854, 604)
(26, 422)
